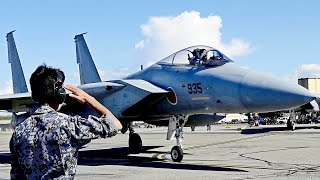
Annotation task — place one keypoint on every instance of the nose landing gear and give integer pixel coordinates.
(176, 124)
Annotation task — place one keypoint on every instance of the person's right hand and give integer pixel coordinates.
(78, 94)
(84, 97)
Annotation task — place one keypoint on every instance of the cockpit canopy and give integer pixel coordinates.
(197, 56)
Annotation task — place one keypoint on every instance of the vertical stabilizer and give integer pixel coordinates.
(18, 80)
(87, 68)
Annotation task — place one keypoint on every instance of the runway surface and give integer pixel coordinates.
(225, 152)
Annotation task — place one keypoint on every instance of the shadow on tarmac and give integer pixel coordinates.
(4, 158)
(259, 130)
(120, 156)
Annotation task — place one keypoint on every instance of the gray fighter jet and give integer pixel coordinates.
(186, 88)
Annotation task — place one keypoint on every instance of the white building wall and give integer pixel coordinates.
(312, 84)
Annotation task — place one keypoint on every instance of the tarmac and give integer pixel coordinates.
(5, 125)
(226, 152)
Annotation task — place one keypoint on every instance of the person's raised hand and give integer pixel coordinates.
(77, 93)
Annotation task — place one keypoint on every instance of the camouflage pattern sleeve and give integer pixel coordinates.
(16, 171)
(83, 130)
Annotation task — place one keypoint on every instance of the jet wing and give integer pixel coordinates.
(20, 102)
(101, 89)
(125, 98)
(135, 98)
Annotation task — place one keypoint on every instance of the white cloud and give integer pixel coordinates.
(139, 45)
(73, 79)
(310, 67)
(6, 88)
(102, 74)
(165, 35)
(118, 73)
(236, 47)
(308, 70)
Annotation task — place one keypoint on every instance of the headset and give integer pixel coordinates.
(59, 91)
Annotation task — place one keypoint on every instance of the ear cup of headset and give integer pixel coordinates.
(59, 91)
(59, 94)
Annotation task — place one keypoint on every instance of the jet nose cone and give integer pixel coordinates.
(265, 93)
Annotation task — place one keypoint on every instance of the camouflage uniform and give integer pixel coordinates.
(45, 145)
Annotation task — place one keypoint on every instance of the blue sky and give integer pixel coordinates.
(270, 36)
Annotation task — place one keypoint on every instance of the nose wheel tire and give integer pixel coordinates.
(135, 143)
(176, 154)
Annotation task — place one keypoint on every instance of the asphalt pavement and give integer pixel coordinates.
(226, 152)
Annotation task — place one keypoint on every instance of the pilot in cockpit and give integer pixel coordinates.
(197, 56)
(213, 59)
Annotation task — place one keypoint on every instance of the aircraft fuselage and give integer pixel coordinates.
(225, 89)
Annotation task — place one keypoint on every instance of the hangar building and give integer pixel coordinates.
(312, 84)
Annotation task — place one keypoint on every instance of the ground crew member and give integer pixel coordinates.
(45, 145)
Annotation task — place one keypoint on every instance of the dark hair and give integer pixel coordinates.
(42, 82)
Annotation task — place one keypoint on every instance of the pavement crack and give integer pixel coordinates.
(291, 168)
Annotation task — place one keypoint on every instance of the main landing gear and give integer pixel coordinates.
(176, 124)
(291, 123)
(135, 142)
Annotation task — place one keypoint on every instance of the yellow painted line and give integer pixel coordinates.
(200, 98)
(228, 126)
(160, 156)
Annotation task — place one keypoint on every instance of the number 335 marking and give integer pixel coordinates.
(194, 88)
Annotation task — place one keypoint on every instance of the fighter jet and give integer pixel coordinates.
(186, 88)
(193, 82)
